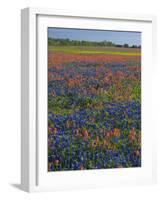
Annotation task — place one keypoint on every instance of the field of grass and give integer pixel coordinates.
(96, 50)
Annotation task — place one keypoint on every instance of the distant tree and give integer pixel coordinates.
(126, 45)
(118, 45)
(134, 46)
(68, 42)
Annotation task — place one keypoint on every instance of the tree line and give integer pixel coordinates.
(68, 42)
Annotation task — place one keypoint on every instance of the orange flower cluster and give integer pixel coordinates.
(81, 134)
(132, 135)
(56, 58)
(73, 82)
(113, 133)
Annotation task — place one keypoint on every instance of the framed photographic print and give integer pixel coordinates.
(87, 118)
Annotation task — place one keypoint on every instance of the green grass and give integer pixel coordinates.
(95, 50)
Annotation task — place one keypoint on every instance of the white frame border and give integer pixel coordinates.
(29, 85)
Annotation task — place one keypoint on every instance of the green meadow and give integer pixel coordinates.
(96, 50)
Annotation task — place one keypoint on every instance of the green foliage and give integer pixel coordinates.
(68, 42)
(136, 93)
(49, 152)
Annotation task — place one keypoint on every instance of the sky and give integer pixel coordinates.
(117, 37)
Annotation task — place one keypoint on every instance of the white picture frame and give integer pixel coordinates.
(33, 177)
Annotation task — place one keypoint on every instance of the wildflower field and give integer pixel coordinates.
(94, 108)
